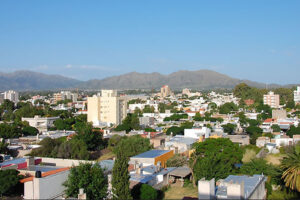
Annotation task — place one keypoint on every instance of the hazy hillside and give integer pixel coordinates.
(28, 80)
(201, 79)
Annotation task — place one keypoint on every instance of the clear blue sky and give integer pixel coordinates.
(257, 40)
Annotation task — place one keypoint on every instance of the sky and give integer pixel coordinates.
(258, 40)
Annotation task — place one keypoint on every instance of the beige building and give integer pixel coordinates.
(165, 91)
(106, 109)
(271, 99)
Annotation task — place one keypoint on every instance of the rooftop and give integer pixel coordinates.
(250, 183)
(151, 154)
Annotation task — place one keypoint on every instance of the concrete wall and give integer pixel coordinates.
(206, 189)
(64, 162)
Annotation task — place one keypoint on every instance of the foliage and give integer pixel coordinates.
(275, 128)
(293, 131)
(57, 148)
(131, 122)
(92, 139)
(3, 147)
(244, 92)
(133, 145)
(228, 108)
(149, 130)
(9, 180)
(215, 158)
(29, 130)
(291, 169)
(177, 161)
(135, 101)
(254, 133)
(9, 131)
(176, 117)
(148, 109)
(89, 177)
(259, 166)
(148, 192)
(229, 128)
(120, 177)
(175, 130)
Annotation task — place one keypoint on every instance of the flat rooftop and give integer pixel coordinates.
(151, 154)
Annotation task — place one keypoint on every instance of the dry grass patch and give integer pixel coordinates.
(177, 192)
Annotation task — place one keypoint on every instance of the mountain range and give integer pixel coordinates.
(201, 79)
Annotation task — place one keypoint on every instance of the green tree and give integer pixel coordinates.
(131, 122)
(229, 128)
(132, 146)
(29, 130)
(291, 169)
(276, 128)
(93, 139)
(175, 130)
(293, 131)
(9, 131)
(254, 132)
(228, 108)
(120, 177)
(9, 180)
(3, 147)
(177, 161)
(89, 177)
(148, 192)
(215, 158)
(148, 109)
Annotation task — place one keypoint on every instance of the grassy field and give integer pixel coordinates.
(274, 159)
(106, 156)
(177, 192)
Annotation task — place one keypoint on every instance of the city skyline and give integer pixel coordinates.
(253, 40)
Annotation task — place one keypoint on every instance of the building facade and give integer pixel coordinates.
(11, 95)
(272, 100)
(165, 91)
(297, 95)
(106, 109)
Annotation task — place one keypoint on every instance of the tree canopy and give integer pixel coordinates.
(215, 158)
(89, 177)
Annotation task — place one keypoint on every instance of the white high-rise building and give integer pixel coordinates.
(271, 99)
(107, 109)
(11, 95)
(297, 95)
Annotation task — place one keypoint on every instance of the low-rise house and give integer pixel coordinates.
(41, 123)
(240, 139)
(180, 143)
(152, 157)
(197, 132)
(262, 141)
(233, 187)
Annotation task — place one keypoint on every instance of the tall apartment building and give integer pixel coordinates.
(271, 99)
(11, 95)
(297, 95)
(63, 95)
(165, 91)
(107, 109)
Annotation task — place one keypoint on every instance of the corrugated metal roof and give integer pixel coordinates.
(151, 154)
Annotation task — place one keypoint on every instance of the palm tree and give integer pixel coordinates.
(291, 169)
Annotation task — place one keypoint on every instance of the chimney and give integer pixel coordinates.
(29, 161)
(158, 166)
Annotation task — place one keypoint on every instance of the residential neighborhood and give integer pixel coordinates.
(164, 138)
